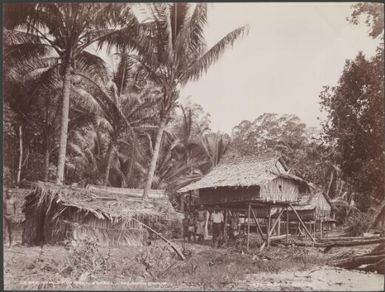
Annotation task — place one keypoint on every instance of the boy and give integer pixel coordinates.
(9, 209)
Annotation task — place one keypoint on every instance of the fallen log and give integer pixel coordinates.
(329, 245)
(359, 260)
(278, 237)
(179, 253)
(352, 243)
(272, 240)
(326, 239)
(376, 267)
(378, 248)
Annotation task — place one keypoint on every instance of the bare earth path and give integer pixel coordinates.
(322, 279)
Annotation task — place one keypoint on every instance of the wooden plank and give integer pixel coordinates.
(303, 224)
(268, 228)
(248, 226)
(225, 226)
(287, 224)
(180, 254)
(258, 225)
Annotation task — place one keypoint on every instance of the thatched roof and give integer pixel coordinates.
(101, 203)
(244, 172)
(131, 193)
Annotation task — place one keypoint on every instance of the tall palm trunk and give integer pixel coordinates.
(20, 155)
(64, 123)
(154, 158)
(46, 144)
(46, 163)
(110, 156)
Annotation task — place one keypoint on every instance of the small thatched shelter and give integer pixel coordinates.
(106, 215)
(313, 207)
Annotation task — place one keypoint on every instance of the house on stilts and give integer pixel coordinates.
(259, 187)
(108, 216)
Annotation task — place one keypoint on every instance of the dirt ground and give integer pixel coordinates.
(156, 267)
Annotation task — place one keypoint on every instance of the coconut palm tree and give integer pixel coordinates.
(35, 84)
(173, 50)
(68, 29)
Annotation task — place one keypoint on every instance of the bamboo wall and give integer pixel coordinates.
(280, 189)
(41, 228)
(228, 194)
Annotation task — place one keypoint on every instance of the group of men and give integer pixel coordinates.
(195, 225)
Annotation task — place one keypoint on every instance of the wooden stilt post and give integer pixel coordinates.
(248, 226)
(257, 223)
(225, 226)
(314, 228)
(303, 224)
(279, 226)
(182, 203)
(287, 224)
(315, 219)
(275, 223)
(268, 227)
(321, 228)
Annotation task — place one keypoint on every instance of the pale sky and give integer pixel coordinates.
(292, 50)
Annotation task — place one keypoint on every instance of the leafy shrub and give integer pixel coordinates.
(357, 223)
(85, 257)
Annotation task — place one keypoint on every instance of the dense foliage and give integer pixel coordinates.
(65, 107)
(301, 146)
(355, 124)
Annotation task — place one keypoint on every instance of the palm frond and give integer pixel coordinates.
(200, 66)
(92, 65)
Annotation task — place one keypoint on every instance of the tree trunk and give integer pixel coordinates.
(110, 155)
(20, 155)
(154, 159)
(330, 184)
(46, 143)
(64, 125)
(46, 164)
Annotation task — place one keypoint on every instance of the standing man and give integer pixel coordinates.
(234, 223)
(217, 219)
(9, 209)
(201, 223)
(185, 233)
(191, 226)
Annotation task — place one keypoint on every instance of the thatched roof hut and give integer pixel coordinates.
(56, 213)
(262, 178)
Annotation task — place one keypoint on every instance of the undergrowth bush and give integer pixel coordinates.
(86, 258)
(357, 223)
